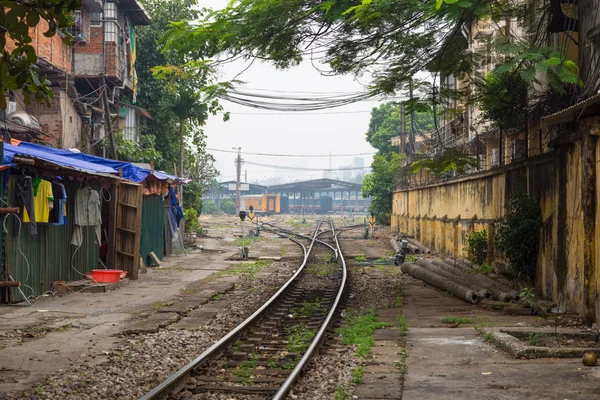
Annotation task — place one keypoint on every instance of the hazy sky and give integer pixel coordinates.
(338, 130)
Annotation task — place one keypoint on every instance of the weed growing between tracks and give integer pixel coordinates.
(359, 330)
(308, 309)
(300, 338)
(323, 269)
(247, 269)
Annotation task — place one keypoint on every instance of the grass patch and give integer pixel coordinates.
(308, 309)
(323, 270)
(359, 330)
(358, 375)
(247, 269)
(456, 320)
(342, 393)
(485, 330)
(300, 338)
(411, 259)
(245, 371)
(64, 328)
(159, 305)
(481, 269)
(362, 257)
(236, 346)
(399, 303)
(402, 324)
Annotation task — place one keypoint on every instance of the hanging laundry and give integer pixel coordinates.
(43, 201)
(88, 212)
(58, 215)
(175, 209)
(24, 199)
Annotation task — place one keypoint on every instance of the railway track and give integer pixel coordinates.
(264, 355)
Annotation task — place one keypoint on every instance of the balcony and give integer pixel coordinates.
(454, 134)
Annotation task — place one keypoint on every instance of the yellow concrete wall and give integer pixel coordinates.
(442, 215)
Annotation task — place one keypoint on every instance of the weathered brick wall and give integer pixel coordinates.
(95, 43)
(51, 49)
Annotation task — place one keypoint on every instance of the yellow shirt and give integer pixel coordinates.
(41, 203)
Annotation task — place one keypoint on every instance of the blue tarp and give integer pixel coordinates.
(40, 152)
(73, 159)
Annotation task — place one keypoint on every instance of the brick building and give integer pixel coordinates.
(93, 78)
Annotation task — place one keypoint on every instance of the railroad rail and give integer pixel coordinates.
(266, 353)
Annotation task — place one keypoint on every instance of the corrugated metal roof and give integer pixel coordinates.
(569, 113)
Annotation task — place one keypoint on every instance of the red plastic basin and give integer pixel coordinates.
(108, 275)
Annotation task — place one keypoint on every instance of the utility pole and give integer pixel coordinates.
(238, 164)
(411, 140)
(402, 129)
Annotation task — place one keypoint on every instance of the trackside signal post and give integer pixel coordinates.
(251, 217)
(244, 253)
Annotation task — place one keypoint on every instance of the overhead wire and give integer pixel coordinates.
(293, 155)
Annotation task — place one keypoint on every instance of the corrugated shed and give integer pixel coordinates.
(153, 227)
(38, 261)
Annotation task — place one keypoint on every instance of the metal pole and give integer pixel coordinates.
(243, 244)
(238, 162)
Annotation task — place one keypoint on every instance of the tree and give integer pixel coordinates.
(391, 40)
(228, 206)
(209, 207)
(18, 68)
(176, 100)
(381, 182)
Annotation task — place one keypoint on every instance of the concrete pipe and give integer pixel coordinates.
(502, 292)
(440, 282)
(482, 293)
(477, 280)
(460, 277)
(420, 246)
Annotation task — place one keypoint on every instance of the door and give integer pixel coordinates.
(127, 227)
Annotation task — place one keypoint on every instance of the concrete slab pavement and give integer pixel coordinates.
(455, 363)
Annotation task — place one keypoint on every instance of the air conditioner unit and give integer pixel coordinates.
(22, 118)
(495, 158)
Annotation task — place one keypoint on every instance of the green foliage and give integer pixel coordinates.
(128, 150)
(307, 309)
(18, 68)
(191, 220)
(359, 330)
(457, 320)
(477, 247)
(342, 393)
(444, 164)
(385, 124)
(176, 105)
(358, 374)
(193, 197)
(517, 234)
(503, 99)
(209, 207)
(529, 298)
(402, 324)
(386, 175)
(228, 206)
(300, 338)
(483, 268)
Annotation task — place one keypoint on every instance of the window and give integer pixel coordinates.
(96, 19)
